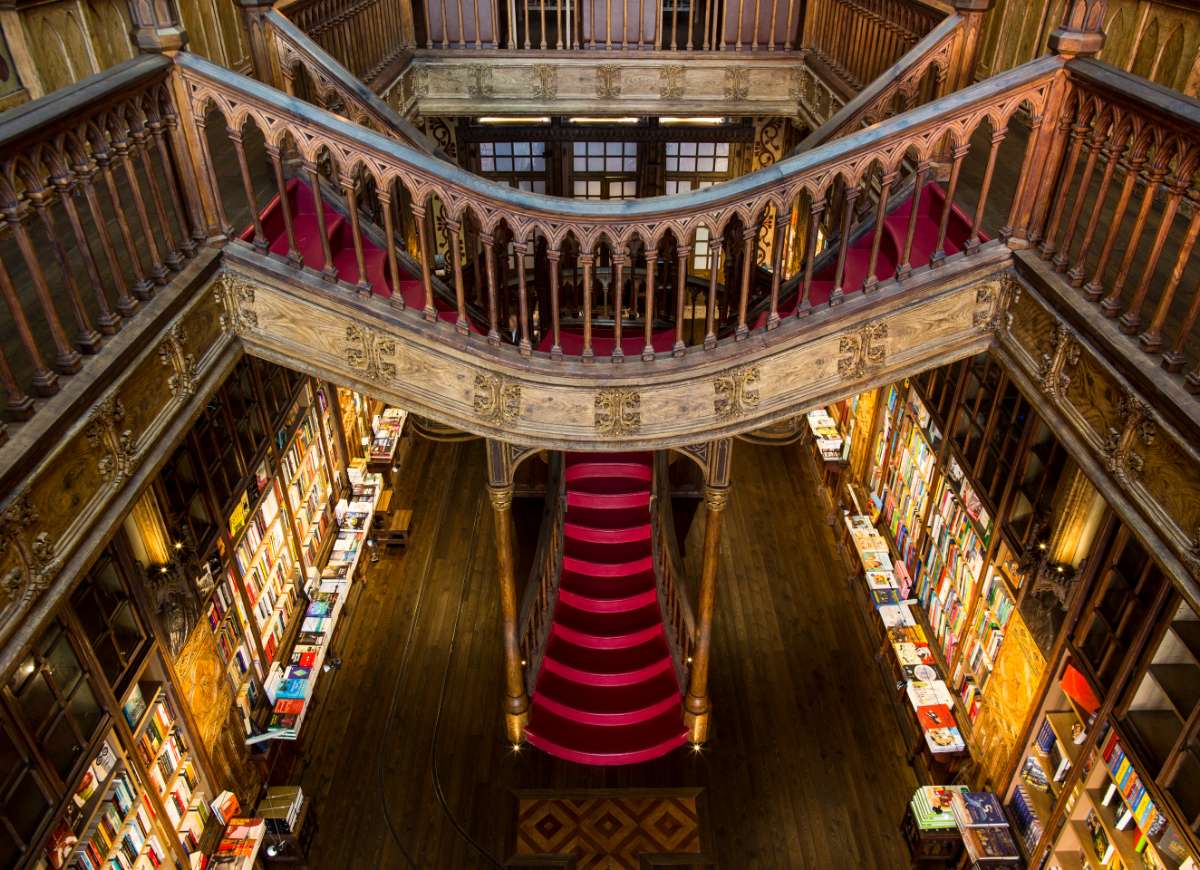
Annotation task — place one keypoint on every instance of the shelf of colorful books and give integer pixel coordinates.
(141, 702)
(387, 429)
(290, 686)
(308, 489)
(884, 439)
(983, 640)
(907, 485)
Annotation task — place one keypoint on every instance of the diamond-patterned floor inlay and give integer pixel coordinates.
(609, 830)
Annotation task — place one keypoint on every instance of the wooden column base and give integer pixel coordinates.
(696, 713)
(514, 723)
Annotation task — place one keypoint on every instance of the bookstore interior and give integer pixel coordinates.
(1045, 700)
(196, 643)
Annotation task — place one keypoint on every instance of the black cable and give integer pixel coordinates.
(437, 722)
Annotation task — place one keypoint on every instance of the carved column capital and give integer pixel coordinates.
(501, 496)
(716, 497)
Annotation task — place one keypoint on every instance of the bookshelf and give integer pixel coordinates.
(983, 639)
(267, 565)
(907, 483)
(307, 484)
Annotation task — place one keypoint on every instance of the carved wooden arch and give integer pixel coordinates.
(714, 459)
(503, 459)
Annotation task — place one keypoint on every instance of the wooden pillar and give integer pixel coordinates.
(696, 708)
(502, 460)
(156, 26)
(970, 36)
(253, 20)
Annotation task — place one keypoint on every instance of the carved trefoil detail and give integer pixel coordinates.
(172, 354)
(863, 351)
(545, 81)
(736, 392)
(496, 400)
(113, 444)
(608, 81)
(368, 352)
(618, 412)
(671, 87)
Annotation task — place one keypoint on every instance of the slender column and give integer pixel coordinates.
(421, 216)
(696, 708)
(519, 250)
(710, 314)
(749, 241)
(553, 255)
(460, 297)
(682, 252)
(618, 352)
(586, 260)
(648, 308)
(516, 702)
(489, 256)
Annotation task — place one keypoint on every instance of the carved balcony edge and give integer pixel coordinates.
(1145, 466)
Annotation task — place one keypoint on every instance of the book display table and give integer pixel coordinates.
(949, 826)
(387, 431)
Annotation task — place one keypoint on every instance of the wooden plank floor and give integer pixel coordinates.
(804, 768)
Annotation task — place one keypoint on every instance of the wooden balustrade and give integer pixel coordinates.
(1120, 208)
(365, 36)
(100, 208)
(541, 590)
(861, 39)
(740, 25)
(673, 597)
(585, 235)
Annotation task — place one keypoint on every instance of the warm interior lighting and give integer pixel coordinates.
(516, 747)
(587, 119)
(695, 747)
(514, 119)
(699, 121)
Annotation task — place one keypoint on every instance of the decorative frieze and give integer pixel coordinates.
(172, 353)
(618, 413)
(114, 445)
(735, 392)
(863, 351)
(370, 353)
(496, 400)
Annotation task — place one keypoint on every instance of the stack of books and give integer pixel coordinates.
(240, 844)
(280, 809)
(984, 830)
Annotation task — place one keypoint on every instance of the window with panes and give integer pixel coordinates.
(604, 170)
(109, 619)
(26, 798)
(1038, 471)
(518, 164)
(694, 166)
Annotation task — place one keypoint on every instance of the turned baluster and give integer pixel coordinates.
(749, 241)
(329, 271)
(520, 249)
(1131, 165)
(461, 324)
(1077, 131)
(682, 252)
(905, 268)
(260, 237)
(648, 309)
(142, 284)
(350, 191)
(618, 290)
(1014, 231)
(158, 269)
(1111, 304)
(18, 404)
(1131, 320)
(141, 144)
(804, 304)
(850, 198)
(84, 171)
(158, 127)
(957, 155)
(776, 268)
(1112, 147)
(44, 381)
(886, 180)
(489, 259)
(108, 322)
(396, 297)
(553, 257)
(1062, 257)
(16, 213)
(421, 216)
(586, 260)
(710, 314)
(1152, 339)
(293, 250)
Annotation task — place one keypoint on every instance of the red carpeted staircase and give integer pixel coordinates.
(607, 693)
(341, 244)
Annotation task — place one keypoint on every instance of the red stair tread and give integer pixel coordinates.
(602, 553)
(608, 569)
(636, 458)
(606, 745)
(607, 630)
(607, 667)
(608, 603)
(611, 705)
(607, 588)
(610, 535)
(638, 499)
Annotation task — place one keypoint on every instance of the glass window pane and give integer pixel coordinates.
(521, 148)
(612, 164)
(504, 148)
(504, 164)
(539, 187)
(579, 148)
(722, 164)
(487, 164)
(687, 148)
(580, 188)
(485, 148)
(706, 148)
(704, 164)
(672, 164)
(595, 148)
(687, 164)
(27, 806)
(538, 147)
(594, 188)
(85, 710)
(595, 164)
(672, 149)
(539, 164)
(579, 164)
(723, 149)
(61, 746)
(63, 664)
(630, 164)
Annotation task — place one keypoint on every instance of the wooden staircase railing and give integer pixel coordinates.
(861, 39)
(367, 36)
(673, 600)
(541, 590)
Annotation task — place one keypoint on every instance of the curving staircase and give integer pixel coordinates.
(607, 693)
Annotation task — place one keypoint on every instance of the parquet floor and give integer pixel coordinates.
(804, 768)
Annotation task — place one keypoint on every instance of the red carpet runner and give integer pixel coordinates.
(607, 693)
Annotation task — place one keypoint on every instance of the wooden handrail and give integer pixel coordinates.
(673, 597)
(860, 39)
(541, 590)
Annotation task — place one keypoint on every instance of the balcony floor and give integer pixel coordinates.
(804, 767)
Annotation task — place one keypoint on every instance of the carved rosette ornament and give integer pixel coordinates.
(172, 354)
(366, 351)
(736, 392)
(545, 81)
(237, 304)
(608, 81)
(671, 87)
(115, 447)
(618, 413)
(34, 556)
(863, 351)
(496, 400)
(1062, 353)
(1120, 448)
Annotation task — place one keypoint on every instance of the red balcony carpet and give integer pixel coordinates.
(607, 692)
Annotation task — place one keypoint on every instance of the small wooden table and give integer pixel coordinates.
(394, 531)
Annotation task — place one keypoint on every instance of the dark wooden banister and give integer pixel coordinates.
(541, 590)
(673, 597)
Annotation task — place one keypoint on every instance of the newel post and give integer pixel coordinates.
(157, 27)
(696, 708)
(501, 462)
(970, 37)
(254, 13)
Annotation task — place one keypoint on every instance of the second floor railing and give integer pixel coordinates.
(363, 35)
(674, 600)
(541, 590)
(860, 39)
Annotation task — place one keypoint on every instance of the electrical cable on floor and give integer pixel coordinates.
(437, 722)
(401, 670)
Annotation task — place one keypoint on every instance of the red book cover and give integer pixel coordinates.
(289, 706)
(307, 659)
(935, 716)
